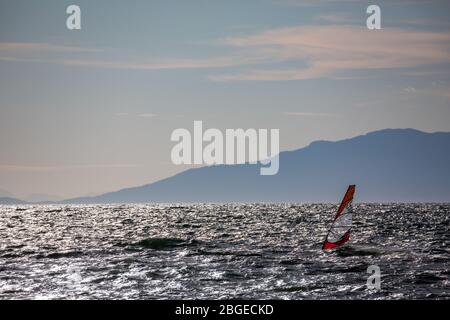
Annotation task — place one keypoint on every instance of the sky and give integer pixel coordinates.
(88, 111)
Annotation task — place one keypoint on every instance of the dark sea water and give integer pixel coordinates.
(203, 251)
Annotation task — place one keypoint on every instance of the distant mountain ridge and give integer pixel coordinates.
(11, 201)
(5, 194)
(42, 198)
(391, 165)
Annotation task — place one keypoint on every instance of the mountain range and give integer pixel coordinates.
(11, 201)
(4, 193)
(391, 165)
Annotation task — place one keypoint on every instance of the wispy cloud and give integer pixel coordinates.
(368, 103)
(325, 51)
(440, 91)
(37, 168)
(329, 49)
(426, 73)
(23, 47)
(338, 18)
(45, 53)
(308, 3)
(308, 114)
(410, 89)
(425, 22)
(205, 63)
(140, 115)
(146, 115)
(59, 54)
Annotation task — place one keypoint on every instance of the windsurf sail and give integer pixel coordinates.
(339, 232)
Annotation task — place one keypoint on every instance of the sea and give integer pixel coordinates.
(222, 251)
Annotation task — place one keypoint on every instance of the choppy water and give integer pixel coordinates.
(220, 251)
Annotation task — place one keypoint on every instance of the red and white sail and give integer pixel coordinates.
(339, 232)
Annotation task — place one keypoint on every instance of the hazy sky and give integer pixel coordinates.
(90, 111)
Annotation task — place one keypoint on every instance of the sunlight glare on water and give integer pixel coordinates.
(210, 251)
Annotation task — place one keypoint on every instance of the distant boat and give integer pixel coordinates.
(339, 232)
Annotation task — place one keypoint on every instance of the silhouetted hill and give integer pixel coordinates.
(392, 165)
(11, 201)
(5, 194)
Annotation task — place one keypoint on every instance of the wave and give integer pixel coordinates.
(58, 255)
(165, 243)
(353, 250)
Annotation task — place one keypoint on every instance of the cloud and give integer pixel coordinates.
(368, 103)
(64, 55)
(24, 47)
(146, 115)
(32, 168)
(410, 89)
(315, 3)
(324, 51)
(141, 115)
(308, 3)
(439, 91)
(339, 19)
(40, 52)
(426, 73)
(169, 64)
(425, 22)
(308, 114)
(59, 54)
(15, 59)
(327, 50)
(443, 93)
